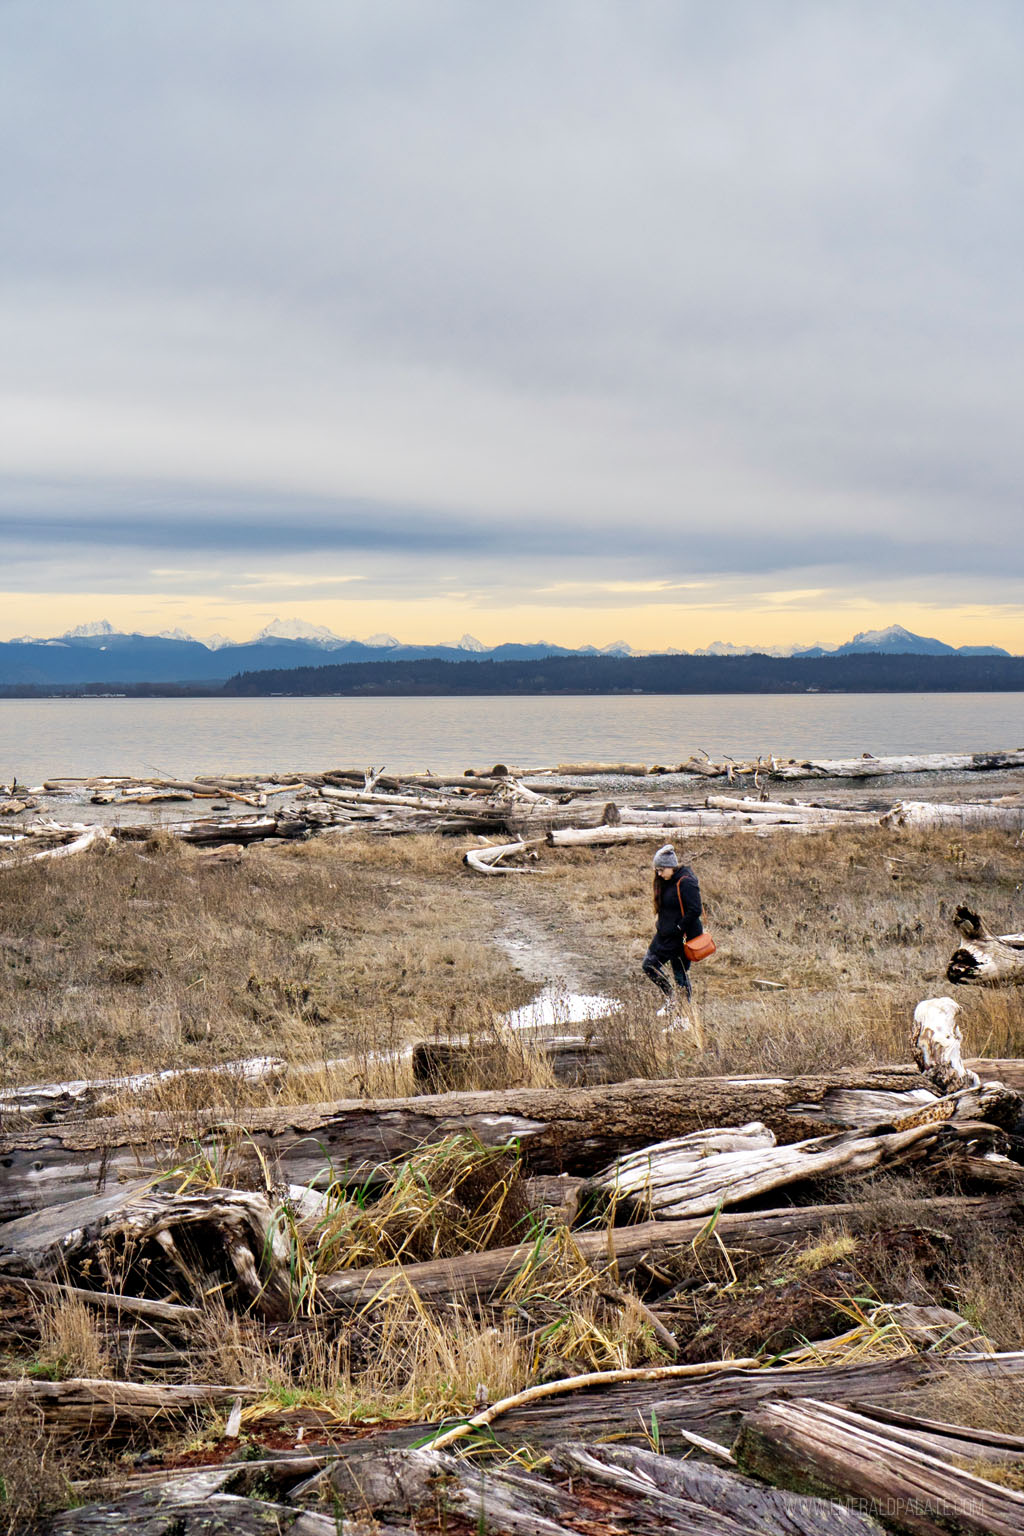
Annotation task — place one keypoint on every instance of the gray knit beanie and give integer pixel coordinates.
(665, 858)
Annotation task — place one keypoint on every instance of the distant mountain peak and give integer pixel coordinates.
(91, 630)
(380, 641)
(878, 636)
(299, 629)
(471, 643)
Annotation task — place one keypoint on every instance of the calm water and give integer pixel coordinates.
(76, 737)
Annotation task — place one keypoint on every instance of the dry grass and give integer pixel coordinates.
(36, 1471)
(854, 926)
(71, 1341)
(449, 1198)
(147, 956)
(333, 955)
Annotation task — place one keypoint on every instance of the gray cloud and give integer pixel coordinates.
(732, 289)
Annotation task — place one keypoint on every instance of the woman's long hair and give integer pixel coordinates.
(659, 891)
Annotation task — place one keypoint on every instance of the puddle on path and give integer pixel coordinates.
(554, 1007)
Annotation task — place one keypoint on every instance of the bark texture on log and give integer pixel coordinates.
(688, 1494)
(559, 1130)
(194, 1506)
(640, 1492)
(828, 1450)
(102, 1404)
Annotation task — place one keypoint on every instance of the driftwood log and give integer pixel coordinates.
(924, 814)
(938, 1045)
(101, 1404)
(985, 957)
(221, 1241)
(824, 1448)
(868, 767)
(641, 1491)
(707, 1170)
(649, 1253)
(576, 1130)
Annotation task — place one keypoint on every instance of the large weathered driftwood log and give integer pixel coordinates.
(919, 814)
(825, 1448)
(559, 1130)
(797, 812)
(640, 1491)
(225, 1241)
(685, 1494)
(983, 956)
(646, 1249)
(195, 1506)
(51, 1101)
(868, 767)
(700, 1173)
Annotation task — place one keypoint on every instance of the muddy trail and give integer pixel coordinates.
(549, 945)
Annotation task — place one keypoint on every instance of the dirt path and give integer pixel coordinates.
(528, 920)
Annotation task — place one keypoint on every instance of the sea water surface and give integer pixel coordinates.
(51, 738)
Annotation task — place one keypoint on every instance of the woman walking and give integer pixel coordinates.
(677, 905)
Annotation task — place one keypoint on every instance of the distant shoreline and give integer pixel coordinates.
(576, 676)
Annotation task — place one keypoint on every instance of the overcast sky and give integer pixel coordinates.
(653, 320)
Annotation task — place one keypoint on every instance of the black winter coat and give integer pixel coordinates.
(679, 910)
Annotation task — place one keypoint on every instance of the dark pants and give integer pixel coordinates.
(668, 952)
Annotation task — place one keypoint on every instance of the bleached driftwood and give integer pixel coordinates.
(812, 813)
(984, 956)
(87, 837)
(691, 1176)
(821, 1447)
(869, 767)
(510, 1499)
(102, 1404)
(195, 1504)
(922, 814)
(938, 1045)
(489, 861)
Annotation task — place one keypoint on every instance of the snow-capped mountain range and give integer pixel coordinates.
(97, 652)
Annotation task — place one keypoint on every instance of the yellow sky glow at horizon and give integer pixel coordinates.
(803, 617)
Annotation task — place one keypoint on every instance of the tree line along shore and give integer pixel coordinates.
(573, 675)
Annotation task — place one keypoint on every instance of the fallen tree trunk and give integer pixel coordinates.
(100, 1405)
(707, 1170)
(795, 812)
(985, 957)
(226, 1241)
(713, 1406)
(559, 1130)
(685, 1495)
(823, 1448)
(868, 767)
(917, 814)
(50, 1101)
(643, 1251)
